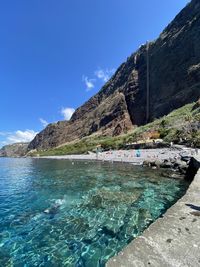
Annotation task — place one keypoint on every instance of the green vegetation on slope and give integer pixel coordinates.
(180, 126)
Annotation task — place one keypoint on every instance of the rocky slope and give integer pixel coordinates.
(14, 150)
(181, 126)
(174, 74)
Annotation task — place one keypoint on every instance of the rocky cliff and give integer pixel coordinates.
(14, 150)
(174, 77)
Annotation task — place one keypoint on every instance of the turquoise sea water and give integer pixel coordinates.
(63, 213)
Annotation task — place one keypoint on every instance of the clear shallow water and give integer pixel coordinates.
(55, 213)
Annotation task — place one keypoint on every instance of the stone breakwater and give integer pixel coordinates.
(174, 239)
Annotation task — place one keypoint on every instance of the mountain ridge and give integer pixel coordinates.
(14, 150)
(121, 103)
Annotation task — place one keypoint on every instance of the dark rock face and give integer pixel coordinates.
(110, 116)
(174, 81)
(14, 150)
(193, 168)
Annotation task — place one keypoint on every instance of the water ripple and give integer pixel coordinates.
(53, 213)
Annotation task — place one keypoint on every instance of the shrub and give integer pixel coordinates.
(163, 132)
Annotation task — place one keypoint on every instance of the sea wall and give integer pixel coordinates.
(173, 240)
(194, 165)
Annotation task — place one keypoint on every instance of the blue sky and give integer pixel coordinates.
(56, 54)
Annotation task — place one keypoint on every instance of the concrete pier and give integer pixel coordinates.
(171, 241)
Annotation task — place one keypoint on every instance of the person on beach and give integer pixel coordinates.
(138, 153)
(98, 149)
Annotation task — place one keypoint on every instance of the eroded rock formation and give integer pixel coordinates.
(174, 73)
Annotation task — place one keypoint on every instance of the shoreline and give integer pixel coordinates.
(172, 240)
(175, 158)
(129, 156)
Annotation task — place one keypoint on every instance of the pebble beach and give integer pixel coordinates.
(130, 156)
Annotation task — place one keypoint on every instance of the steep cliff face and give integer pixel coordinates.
(14, 150)
(174, 73)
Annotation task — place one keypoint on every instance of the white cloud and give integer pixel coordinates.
(104, 75)
(18, 137)
(88, 82)
(3, 143)
(101, 74)
(43, 122)
(4, 133)
(22, 136)
(67, 113)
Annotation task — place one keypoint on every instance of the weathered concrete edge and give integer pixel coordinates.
(171, 241)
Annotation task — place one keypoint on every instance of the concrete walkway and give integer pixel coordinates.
(171, 241)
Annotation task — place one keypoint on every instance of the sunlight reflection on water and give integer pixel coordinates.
(55, 213)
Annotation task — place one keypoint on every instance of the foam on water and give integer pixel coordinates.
(55, 213)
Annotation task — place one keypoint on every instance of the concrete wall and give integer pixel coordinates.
(171, 241)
